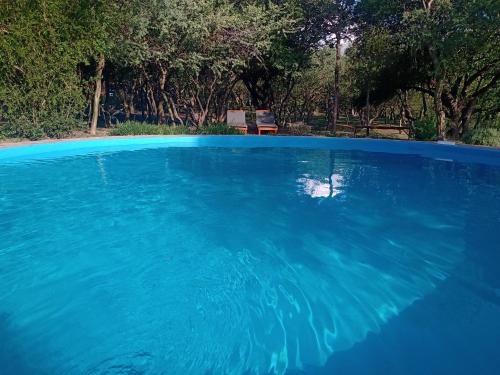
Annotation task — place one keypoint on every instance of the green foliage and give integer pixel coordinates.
(55, 126)
(141, 128)
(218, 129)
(187, 61)
(369, 56)
(486, 133)
(483, 136)
(425, 129)
(41, 45)
(300, 129)
(446, 49)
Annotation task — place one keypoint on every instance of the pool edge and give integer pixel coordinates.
(447, 152)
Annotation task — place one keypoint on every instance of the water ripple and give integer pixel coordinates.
(181, 261)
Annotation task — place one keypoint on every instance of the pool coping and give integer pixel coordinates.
(77, 139)
(444, 151)
(23, 143)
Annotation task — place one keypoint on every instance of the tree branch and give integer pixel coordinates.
(422, 89)
(486, 87)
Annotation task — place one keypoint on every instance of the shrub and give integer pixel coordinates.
(299, 129)
(218, 129)
(55, 127)
(483, 136)
(425, 129)
(60, 127)
(141, 128)
(24, 129)
(2, 131)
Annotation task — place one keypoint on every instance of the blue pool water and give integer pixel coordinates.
(148, 259)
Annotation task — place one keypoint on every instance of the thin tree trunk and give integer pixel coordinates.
(438, 89)
(336, 90)
(173, 108)
(152, 110)
(283, 103)
(464, 124)
(440, 114)
(97, 94)
(126, 109)
(424, 107)
(368, 113)
(160, 118)
(143, 104)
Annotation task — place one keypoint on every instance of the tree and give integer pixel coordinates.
(190, 56)
(453, 50)
(339, 22)
(40, 47)
(185, 62)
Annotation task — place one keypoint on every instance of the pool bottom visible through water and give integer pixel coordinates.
(249, 261)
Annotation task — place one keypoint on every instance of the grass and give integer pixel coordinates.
(218, 129)
(140, 128)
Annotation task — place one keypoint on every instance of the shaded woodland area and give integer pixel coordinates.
(431, 66)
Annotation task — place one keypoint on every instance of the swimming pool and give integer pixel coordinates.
(233, 255)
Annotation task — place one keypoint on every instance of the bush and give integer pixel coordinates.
(56, 127)
(24, 129)
(60, 127)
(299, 129)
(141, 128)
(218, 129)
(425, 129)
(483, 136)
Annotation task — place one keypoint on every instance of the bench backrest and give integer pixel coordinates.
(236, 117)
(265, 117)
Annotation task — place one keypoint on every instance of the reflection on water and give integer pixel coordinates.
(181, 261)
(327, 188)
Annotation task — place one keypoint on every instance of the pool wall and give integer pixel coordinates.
(445, 152)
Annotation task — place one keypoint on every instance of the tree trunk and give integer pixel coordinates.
(440, 114)
(260, 90)
(97, 94)
(455, 113)
(407, 111)
(423, 113)
(126, 109)
(336, 90)
(152, 110)
(367, 113)
(143, 104)
(173, 109)
(160, 102)
(465, 119)
(438, 89)
(284, 100)
(160, 117)
(127, 104)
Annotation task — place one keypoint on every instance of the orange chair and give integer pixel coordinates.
(266, 121)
